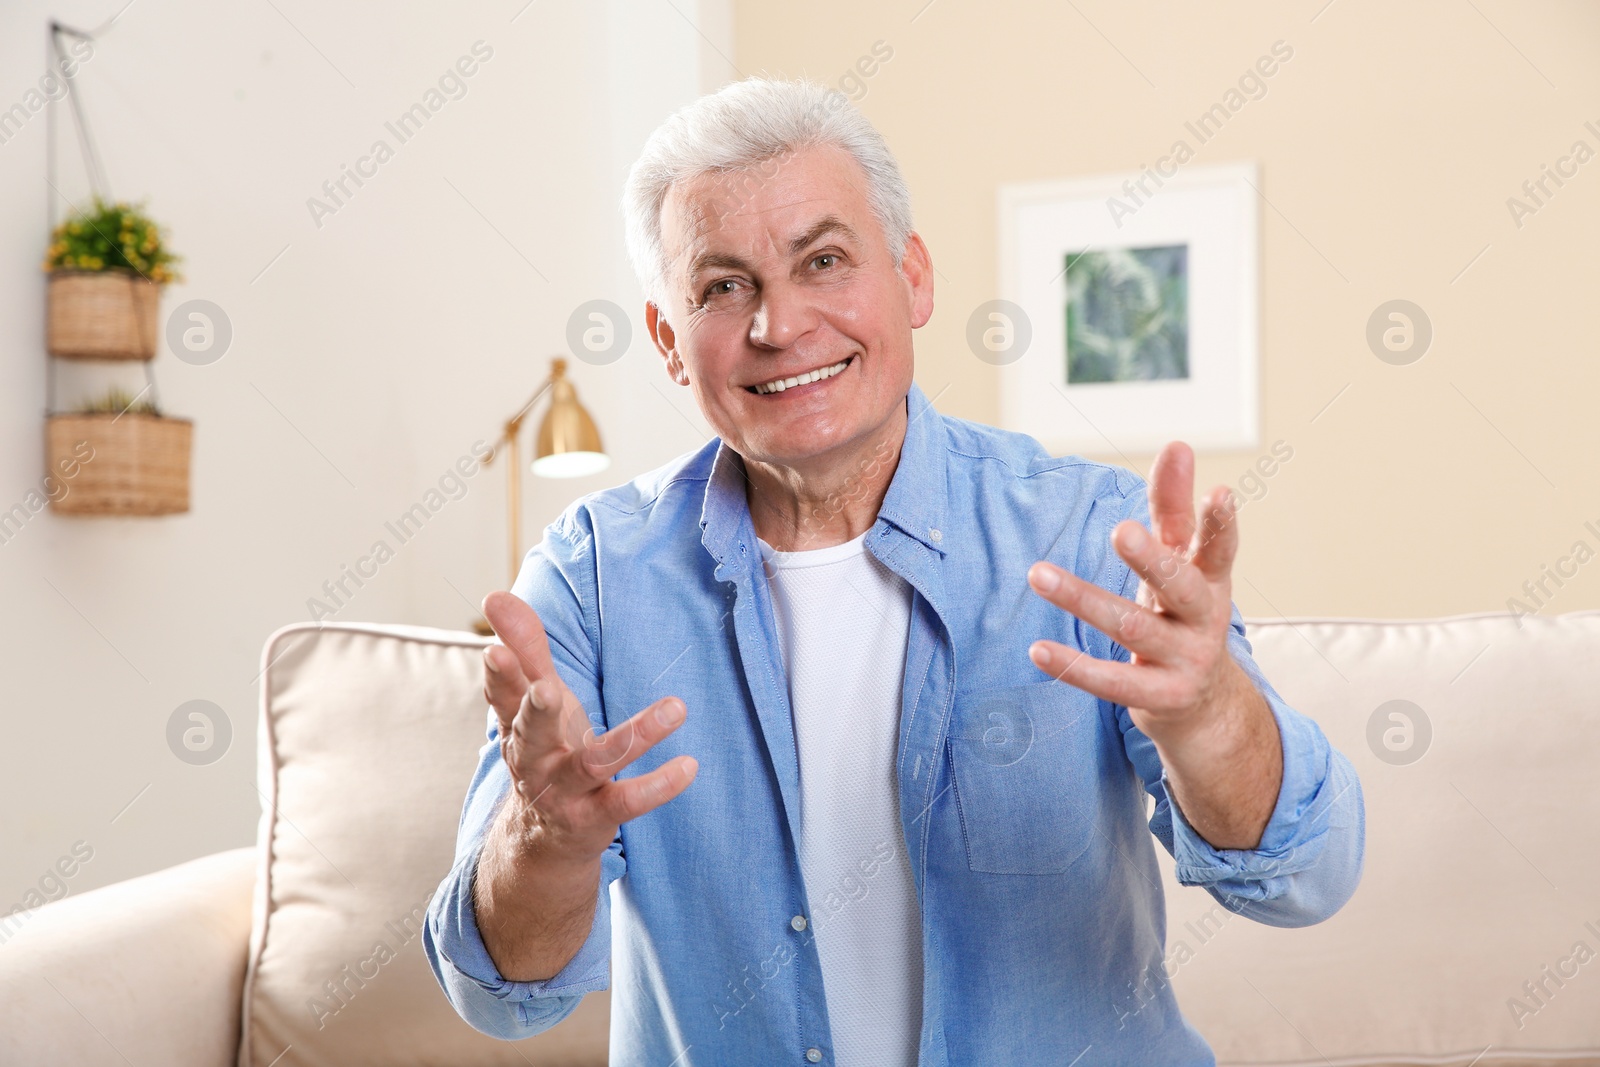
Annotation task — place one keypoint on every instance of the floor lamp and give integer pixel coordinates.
(568, 446)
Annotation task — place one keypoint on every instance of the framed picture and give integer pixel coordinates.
(1128, 316)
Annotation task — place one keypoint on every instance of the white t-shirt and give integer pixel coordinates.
(843, 619)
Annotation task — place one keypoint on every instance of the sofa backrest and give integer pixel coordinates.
(1472, 932)
(1476, 926)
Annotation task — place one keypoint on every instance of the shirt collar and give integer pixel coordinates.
(915, 501)
(917, 494)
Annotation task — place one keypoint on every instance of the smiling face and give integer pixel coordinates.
(772, 278)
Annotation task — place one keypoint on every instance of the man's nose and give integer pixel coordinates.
(783, 316)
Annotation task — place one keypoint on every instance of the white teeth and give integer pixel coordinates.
(807, 378)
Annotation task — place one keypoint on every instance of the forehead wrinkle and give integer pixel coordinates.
(711, 198)
(702, 205)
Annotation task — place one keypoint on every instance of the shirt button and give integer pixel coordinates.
(814, 1055)
(935, 535)
(798, 922)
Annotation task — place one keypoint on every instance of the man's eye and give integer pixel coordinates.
(823, 256)
(714, 289)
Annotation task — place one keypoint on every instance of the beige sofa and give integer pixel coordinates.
(1472, 938)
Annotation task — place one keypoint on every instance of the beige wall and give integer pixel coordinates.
(1388, 147)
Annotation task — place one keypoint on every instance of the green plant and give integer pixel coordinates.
(112, 237)
(118, 401)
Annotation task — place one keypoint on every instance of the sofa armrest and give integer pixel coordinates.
(150, 970)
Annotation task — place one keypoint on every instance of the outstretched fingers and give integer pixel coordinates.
(1177, 587)
(544, 715)
(540, 721)
(603, 755)
(1120, 683)
(633, 797)
(1132, 626)
(1219, 534)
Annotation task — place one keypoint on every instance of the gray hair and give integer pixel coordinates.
(745, 124)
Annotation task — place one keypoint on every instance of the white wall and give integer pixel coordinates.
(366, 359)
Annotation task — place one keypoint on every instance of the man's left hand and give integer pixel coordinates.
(1182, 687)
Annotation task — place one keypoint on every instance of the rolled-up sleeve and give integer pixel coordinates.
(456, 952)
(555, 580)
(1309, 859)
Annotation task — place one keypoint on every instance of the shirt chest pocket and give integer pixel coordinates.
(1025, 761)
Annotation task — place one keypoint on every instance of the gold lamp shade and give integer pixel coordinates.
(569, 444)
(568, 447)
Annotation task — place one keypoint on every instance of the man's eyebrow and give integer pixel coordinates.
(714, 261)
(821, 228)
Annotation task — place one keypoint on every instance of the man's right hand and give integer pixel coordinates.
(560, 769)
(539, 870)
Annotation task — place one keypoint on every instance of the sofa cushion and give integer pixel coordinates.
(368, 738)
(1474, 936)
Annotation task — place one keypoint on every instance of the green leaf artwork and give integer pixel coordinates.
(1127, 314)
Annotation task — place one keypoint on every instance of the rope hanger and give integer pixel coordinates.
(56, 59)
(56, 56)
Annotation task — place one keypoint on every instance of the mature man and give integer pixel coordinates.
(884, 801)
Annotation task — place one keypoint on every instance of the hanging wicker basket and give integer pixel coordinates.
(108, 314)
(128, 464)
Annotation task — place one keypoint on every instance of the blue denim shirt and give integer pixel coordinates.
(1022, 798)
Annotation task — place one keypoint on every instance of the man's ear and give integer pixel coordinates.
(916, 268)
(666, 342)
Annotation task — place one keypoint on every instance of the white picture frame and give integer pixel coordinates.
(1045, 227)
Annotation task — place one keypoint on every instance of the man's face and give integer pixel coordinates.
(778, 271)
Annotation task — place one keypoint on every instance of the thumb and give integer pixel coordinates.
(519, 628)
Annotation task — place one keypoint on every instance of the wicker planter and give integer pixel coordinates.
(139, 464)
(102, 315)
